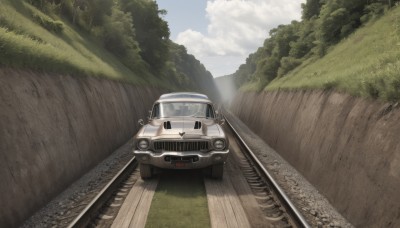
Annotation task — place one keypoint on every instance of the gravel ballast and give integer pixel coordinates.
(315, 207)
(62, 210)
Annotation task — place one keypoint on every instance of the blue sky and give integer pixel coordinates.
(222, 33)
(184, 14)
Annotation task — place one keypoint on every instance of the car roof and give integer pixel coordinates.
(184, 97)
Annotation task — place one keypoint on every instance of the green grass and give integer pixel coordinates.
(179, 201)
(26, 42)
(365, 64)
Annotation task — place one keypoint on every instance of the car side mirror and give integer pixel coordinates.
(141, 122)
(149, 116)
(221, 120)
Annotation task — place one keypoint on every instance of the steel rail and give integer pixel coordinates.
(296, 215)
(92, 209)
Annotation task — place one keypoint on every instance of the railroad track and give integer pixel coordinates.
(273, 201)
(92, 210)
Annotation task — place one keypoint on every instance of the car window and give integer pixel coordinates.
(156, 111)
(183, 109)
(210, 111)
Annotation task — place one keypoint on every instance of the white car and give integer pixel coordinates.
(183, 132)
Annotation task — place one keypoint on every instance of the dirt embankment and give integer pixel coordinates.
(54, 128)
(347, 147)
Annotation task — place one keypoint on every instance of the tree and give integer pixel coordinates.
(95, 11)
(331, 25)
(152, 31)
(118, 35)
(311, 9)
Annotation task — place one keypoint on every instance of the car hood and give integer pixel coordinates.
(181, 128)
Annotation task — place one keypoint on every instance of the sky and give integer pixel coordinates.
(222, 33)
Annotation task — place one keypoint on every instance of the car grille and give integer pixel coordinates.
(181, 146)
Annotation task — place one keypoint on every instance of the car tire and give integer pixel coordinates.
(145, 171)
(217, 171)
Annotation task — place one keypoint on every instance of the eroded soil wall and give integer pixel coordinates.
(348, 148)
(54, 128)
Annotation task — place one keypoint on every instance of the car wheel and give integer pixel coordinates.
(145, 171)
(217, 171)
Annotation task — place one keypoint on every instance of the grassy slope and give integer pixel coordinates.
(25, 44)
(365, 64)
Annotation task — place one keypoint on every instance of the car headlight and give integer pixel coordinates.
(219, 144)
(143, 144)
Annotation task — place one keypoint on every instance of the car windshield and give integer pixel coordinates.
(182, 109)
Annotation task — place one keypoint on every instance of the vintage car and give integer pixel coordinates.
(183, 132)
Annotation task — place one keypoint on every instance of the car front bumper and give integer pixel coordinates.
(181, 160)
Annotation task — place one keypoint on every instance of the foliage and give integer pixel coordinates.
(246, 70)
(48, 23)
(367, 63)
(287, 64)
(152, 32)
(124, 40)
(264, 65)
(288, 47)
(311, 9)
(184, 69)
(26, 44)
(131, 29)
(372, 11)
(118, 36)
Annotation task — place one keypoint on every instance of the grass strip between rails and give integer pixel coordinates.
(179, 201)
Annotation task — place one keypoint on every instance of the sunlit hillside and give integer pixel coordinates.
(351, 46)
(124, 40)
(367, 63)
(27, 43)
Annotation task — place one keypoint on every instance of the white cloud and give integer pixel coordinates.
(237, 28)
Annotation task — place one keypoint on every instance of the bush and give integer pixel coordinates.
(347, 29)
(393, 92)
(329, 84)
(372, 88)
(372, 11)
(48, 23)
(320, 48)
(288, 64)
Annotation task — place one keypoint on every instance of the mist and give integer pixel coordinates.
(227, 88)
